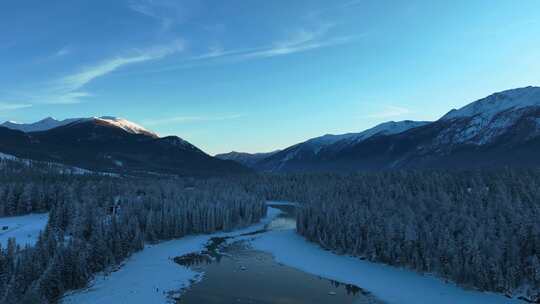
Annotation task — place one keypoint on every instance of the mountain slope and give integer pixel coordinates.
(51, 123)
(246, 159)
(114, 145)
(500, 130)
(310, 153)
(42, 125)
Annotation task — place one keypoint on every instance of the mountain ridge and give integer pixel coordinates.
(116, 146)
(49, 123)
(484, 133)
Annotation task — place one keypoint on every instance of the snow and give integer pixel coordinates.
(42, 125)
(51, 123)
(489, 117)
(136, 281)
(25, 229)
(499, 102)
(389, 284)
(482, 121)
(125, 125)
(330, 141)
(387, 128)
(65, 169)
(7, 156)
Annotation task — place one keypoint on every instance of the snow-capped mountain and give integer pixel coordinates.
(387, 128)
(109, 144)
(502, 129)
(494, 104)
(300, 155)
(51, 123)
(484, 120)
(42, 125)
(125, 125)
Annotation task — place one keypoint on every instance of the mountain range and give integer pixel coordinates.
(112, 145)
(500, 130)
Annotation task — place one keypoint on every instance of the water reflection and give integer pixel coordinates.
(235, 273)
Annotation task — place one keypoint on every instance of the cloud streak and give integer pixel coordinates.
(166, 12)
(189, 119)
(63, 52)
(71, 85)
(300, 40)
(9, 106)
(70, 89)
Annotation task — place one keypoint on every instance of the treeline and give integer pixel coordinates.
(478, 229)
(34, 187)
(97, 222)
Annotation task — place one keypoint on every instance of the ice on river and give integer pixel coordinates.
(389, 284)
(149, 275)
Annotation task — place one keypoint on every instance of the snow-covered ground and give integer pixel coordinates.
(389, 284)
(25, 229)
(149, 275)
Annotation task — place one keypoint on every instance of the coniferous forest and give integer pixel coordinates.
(479, 229)
(96, 222)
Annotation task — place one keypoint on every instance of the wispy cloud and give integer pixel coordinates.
(390, 111)
(63, 52)
(189, 119)
(10, 106)
(299, 40)
(70, 89)
(287, 49)
(167, 12)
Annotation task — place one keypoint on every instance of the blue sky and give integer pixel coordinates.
(253, 75)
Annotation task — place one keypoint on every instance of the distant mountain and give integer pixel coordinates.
(42, 125)
(502, 129)
(114, 145)
(51, 123)
(303, 156)
(246, 159)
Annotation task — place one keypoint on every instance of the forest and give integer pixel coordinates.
(479, 229)
(96, 222)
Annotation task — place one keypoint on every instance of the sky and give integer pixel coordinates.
(254, 75)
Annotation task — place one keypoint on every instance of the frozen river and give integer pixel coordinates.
(234, 272)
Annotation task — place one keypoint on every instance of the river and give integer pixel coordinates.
(236, 273)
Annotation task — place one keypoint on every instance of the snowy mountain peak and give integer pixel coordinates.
(315, 145)
(42, 125)
(125, 125)
(499, 102)
(51, 123)
(388, 128)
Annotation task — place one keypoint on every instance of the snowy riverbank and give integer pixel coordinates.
(25, 229)
(148, 276)
(389, 284)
